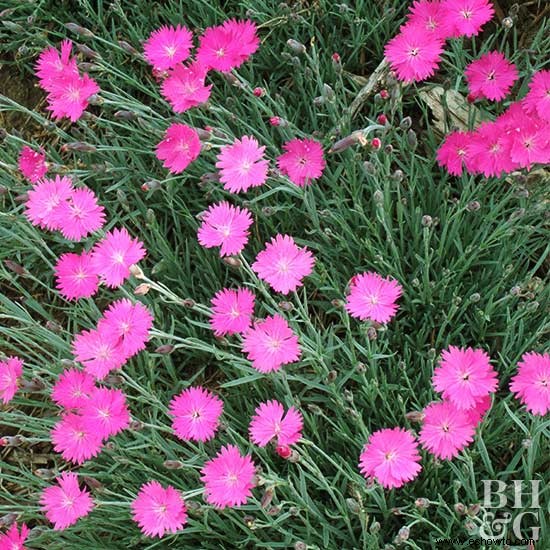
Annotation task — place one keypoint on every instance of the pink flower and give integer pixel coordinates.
(283, 264)
(12, 539)
(73, 388)
(131, 322)
(227, 46)
(454, 152)
(468, 16)
(44, 199)
(464, 376)
(478, 411)
(446, 430)
(530, 144)
(196, 414)
(168, 46)
(65, 503)
(488, 153)
(106, 412)
(184, 88)
(270, 344)
(75, 439)
(232, 311)
(491, 76)
(268, 423)
(302, 161)
(531, 384)
(225, 226)
(430, 17)
(391, 457)
(537, 101)
(114, 254)
(158, 510)
(179, 148)
(53, 65)
(80, 215)
(228, 478)
(414, 54)
(242, 165)
(373, 297)
(75, 276)
(11, 369)
(100, 351)
(69, 95)
(32, 164)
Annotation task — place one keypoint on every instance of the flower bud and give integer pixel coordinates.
(267, 497)
(79, 146)
(353, 506)
(384, 94)
(345, 143)
(259, 92)
(126, 115)
(460, 509)
(87, 51)
(232, 261)
(507, 22)
(44, 473)
(286, 306)
(421, 503)
(77, 29)
(403, 534)
(300, 545)
(295, 46)
(54, 327)
(376, 143)
(135, 425)
(337, 63)
(427, 221)
(15, 267)
(405, 123)
(369, 167)
(284, 451)
(415, 416)
(142, 289)
(412, 139)
(128, 48)
(382, 119)
(136, 271)
(173, 464)
(165, 349)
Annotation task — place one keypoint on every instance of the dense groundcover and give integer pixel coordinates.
(469, 251)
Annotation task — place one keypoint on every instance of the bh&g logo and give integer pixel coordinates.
(495, 495)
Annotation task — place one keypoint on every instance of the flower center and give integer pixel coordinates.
(73, 94)
(161, 509)
(104, 413)
(467, 14)
(220, 52)
(445, 427)
(283, 266)
(273, 344)
(232, 478)
(461, 152)
(390, 456)
(234, 312)
(413, 52)
(495, 148)
(103, 352)
(170, 51)
(80, 275)
(182, 146)
(118, 257)
(67, 502)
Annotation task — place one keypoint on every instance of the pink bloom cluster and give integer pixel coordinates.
(466, 380)
(68, 91)
(516, 139)
(415, 52)
(55, 204)
(93, 413)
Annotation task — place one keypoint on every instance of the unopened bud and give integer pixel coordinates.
(54, 327)
(337, 63)
(286, 306)
(384, 94)
(460, 509)
(44, 473)
(300, 545)
(415, 416)
(259, 92)
(15, 267)
(295, 46)
(136, 271)
(77, 29)
(378, 196)
(165, 349)
(507, 22)
(135, 425)
(421, 503)
(412, 139)
(79, 146)
(87, 51)
(93, 483)
(232, 261)
(372, 334)
(405, 123)
(369, 167)
(126, 115)
(473, 206)
(173, 464)
(345, 143)
(473, 509)
(382, 119)
(267, 497)
(376, 143)
(403, 533)
(375, 527)
(328, 92)
(151, 185)
(142, 289)
(353, 506)
(427, 221)
(284, 451)
(128, 48)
